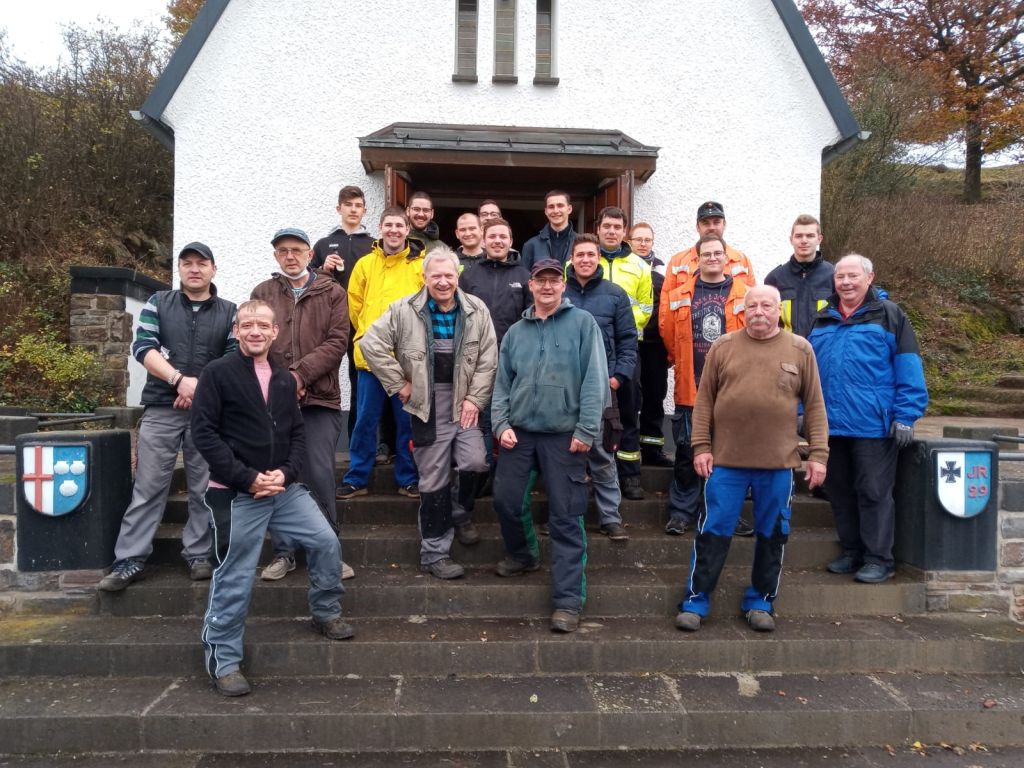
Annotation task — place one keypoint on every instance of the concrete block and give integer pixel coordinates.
(978, 602)
(12, 426)
(983, 432)
(961, 577)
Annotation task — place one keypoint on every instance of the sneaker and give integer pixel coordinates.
(123, 573)
(657, 459)
(615, 531)
(412, 491)
(279, 568)
(743, 528)
(232, 684)
(687, 621)
(676, 527)
(760, 621)
(347, 572)
(200, 569)
(874, 573)
(333, 629)
(543, 529)
(348, 491)
(383, 454)
(445, 568)
(467, 534)
(565, 621)
(631, 488)
(844, 564)
(512, 567)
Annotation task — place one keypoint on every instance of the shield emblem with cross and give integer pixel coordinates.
(55, 478)
(963, 481)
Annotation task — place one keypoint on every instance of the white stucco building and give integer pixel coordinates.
(657, 105)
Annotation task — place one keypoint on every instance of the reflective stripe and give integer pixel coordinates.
(645, 440)
(648, 308)
(676, 269)
(737, 306)
(628, 455)
(739, 269)
(679, 303)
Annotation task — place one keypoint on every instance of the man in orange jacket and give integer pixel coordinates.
(691, 316)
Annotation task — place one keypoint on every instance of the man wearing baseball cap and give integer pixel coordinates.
(549, 396)
(179, 332)
(311, 309)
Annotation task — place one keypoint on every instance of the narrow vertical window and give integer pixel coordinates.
(465, 41)
(505, 41)
(545, 43)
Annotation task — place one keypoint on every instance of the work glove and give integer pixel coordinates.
(902, 434)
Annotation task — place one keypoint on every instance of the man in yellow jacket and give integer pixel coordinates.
(392, 270)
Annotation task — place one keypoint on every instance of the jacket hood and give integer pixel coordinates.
(361, 231)
(530, 312)
(799, 267)
(546, 232)
(413, 249)
(319, 285)
(574, 281)
(873, 296)
(623, 252)
(431, 231)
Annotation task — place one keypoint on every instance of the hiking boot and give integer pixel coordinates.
(383, 454)
(333, 629)
(123, 573)
(844, 564)
(279, 568)
(615, 531)
(232, 684)
(467, 534)
(631, 488)
(563, 620)
(743, 528)
(874, 573)
(200, 569)
(512, 567)
(656, 459)
(347, 572)
(349, 491)
(760, 621)
(677, 527)
(687, 621)
(445, 568)
(412, 491)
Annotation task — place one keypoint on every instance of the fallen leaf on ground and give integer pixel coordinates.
(989, 703)
(534, 698)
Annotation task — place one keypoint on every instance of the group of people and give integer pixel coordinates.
(483, 367)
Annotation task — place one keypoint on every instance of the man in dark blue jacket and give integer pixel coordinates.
(874, 388)
(805, 281)
(247, 424)
(555, 239)
(587, 289)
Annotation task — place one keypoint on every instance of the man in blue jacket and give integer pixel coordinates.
(874, 388)
(587, 289)
(550, 392)
(555, 239)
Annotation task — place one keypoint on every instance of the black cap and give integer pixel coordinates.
(546, 265)
(201, 249)
(709, 210)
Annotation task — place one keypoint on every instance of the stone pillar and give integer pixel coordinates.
(105, 302)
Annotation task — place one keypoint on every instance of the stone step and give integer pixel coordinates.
(379, 545)
(180, 714)
(400, 591)
(415, 646)
(387, 508)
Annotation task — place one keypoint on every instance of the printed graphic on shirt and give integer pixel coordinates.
(708, 318)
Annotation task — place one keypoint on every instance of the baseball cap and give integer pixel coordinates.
(546, 265)
(202, 249)
(291, 232)
(710, 209)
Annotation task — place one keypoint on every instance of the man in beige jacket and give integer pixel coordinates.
(436, 350)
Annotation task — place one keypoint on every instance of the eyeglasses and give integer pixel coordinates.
(291, 251)
(712, 255)
(546, 280)
(421, 210)
(642, 240)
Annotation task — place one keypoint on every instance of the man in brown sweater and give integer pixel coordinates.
(744, 435)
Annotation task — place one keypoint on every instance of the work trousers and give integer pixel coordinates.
(565, 480)
(363, 443)
(387, 419)
(859, 483)
(323, 428)
(724, 494)
(164, 431)
(653, 390)
(684, 490)
(433, 463)
(604, 480)
(240, 523)
(628, 455)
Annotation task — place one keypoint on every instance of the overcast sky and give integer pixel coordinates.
(34, 26)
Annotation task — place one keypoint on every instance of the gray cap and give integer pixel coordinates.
(295, 232)
(200, 249)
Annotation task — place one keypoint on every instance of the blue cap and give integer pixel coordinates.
(291, 232)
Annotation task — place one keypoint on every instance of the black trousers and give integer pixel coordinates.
(653, 390)
(628, 456)
(859, 482)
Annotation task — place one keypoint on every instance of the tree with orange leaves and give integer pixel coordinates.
(180, 15)
(968, 53)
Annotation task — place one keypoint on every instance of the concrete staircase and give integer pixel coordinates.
(468, 673)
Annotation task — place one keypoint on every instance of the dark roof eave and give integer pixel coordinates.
(157, 128)
(849, 130)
